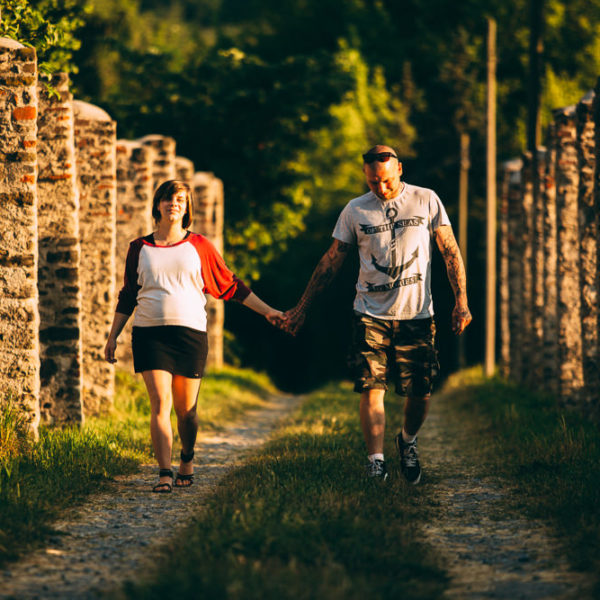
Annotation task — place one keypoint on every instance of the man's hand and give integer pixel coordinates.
(461, 317)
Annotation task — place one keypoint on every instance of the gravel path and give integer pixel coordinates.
(100, 544)
(489, 551)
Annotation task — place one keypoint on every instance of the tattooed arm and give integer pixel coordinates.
(322, 276)
(461, 315)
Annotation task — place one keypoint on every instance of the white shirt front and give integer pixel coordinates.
(394, 239)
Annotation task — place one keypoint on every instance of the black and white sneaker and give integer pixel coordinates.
(409, 460)
(376, 470)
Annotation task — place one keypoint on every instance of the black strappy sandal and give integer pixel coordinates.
(186, 458)
(167, 487)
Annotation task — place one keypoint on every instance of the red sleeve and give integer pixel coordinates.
(128, 294)
(219, 281)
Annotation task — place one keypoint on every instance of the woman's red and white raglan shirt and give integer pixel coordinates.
(168, 284)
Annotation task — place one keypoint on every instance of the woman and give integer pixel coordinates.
(167, 274)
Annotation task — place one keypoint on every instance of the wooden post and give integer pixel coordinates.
(490, 317)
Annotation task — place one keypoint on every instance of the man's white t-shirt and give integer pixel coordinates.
(394, 239)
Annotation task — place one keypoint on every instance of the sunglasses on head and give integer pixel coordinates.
(379, 156)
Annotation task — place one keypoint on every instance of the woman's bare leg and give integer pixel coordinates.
(185, 398)
(159, 385)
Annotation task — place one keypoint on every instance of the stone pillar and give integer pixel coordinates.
(588, 236)
(135, 187)
(163, 167)
(515, 270)
(208, 220)
(19, 317)
(508, 172)
(184, 169)
(59, 258)
(537, 271)
(95, 142)
(550, 354)
(526, 244)
(570, 357)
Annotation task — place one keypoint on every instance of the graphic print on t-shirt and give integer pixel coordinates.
(393, 270)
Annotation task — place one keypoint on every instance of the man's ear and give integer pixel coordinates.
(400, 168)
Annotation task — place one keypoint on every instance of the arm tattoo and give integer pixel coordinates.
(454, 263)
(325, 273)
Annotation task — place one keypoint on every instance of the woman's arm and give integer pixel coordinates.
(256, 304)
(111, 343)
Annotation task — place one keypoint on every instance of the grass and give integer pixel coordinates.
(299, 520)
(40, 479)
(548, 456)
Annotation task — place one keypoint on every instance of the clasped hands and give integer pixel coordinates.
(290, 321)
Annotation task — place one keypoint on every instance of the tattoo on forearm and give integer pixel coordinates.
(454, 264)
(324, 274)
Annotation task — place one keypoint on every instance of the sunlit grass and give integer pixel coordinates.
(39, 479)
(549, 456)
(299, 520)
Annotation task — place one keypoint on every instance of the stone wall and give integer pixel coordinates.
(135, 187)
(208, 220)
(563, 340)
(588, 244)
(163, 165)
(71, 200)
(59, 257)
(95, 144)
(19, 317)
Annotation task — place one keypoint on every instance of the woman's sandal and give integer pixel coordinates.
(186, 458)
(164, 487)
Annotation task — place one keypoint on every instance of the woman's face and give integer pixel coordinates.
(173, 209)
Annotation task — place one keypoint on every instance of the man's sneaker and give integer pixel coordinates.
(376, 470)
(409, 460)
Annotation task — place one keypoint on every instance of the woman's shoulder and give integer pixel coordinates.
(148, 239)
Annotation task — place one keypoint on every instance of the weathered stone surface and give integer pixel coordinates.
(570, 353)
(537, 271)
(19, 318)
(515, 269)
(527, 268)
(508, 171)
(184, 169)
(550, 353)
(163, 166)
(208, 220)
(588, 240)
(59, 248)
(95, 151)
(135, 187)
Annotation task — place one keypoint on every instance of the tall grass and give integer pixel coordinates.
(299, 520)
(40, 479)
(549, 456)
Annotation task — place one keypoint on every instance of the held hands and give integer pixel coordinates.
(291, 321)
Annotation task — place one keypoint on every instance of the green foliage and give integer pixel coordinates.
(49, 26)
(299, 520)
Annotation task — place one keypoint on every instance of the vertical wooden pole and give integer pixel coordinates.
(490, 318)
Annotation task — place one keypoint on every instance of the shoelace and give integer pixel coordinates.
(410, 456)
(375, 468)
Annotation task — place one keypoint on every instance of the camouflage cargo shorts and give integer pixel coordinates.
(400, 351)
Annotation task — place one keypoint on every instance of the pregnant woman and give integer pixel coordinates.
(167, 276)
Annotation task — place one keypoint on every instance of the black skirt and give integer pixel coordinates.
(178, 350)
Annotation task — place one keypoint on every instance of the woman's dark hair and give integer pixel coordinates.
(166, 190)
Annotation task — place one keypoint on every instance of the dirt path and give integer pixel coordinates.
(490, 552)
(102, 543)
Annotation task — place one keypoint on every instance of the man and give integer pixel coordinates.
(393, 329)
